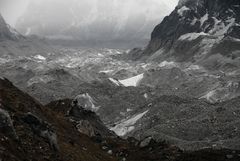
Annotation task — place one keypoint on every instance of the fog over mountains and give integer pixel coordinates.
(104, 20)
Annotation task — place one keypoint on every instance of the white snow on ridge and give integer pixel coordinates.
(191, 36)
(182, 10)
(127, 126)
(133, 81)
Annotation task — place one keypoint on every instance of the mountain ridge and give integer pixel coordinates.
(195, 31)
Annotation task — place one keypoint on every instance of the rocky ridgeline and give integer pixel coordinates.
(198, 32)
(65, 130)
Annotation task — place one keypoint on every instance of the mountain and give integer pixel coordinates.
(93, 21)
(200, 32)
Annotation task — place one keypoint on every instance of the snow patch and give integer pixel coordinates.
(209, 96)
(129, 110)
(192, 36)
(39, 79)
(167, 64)
(40, 57)
(235, 39)
(133, 81)
(99, 54)
(126, 126)
(106, 71)
(145, 95)
(221, 28)
(116, 82)
(204, 18)
(194, 21)
(182, 10)
(194, 67)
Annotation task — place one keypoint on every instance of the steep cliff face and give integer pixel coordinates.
(197, 29)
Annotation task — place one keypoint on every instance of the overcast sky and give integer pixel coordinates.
(11, 10)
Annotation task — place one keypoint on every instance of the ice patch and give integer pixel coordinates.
(126, 126)
(133, 81)
(182, 10)
(191, 36)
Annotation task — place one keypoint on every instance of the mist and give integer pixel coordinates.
(100, 20)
